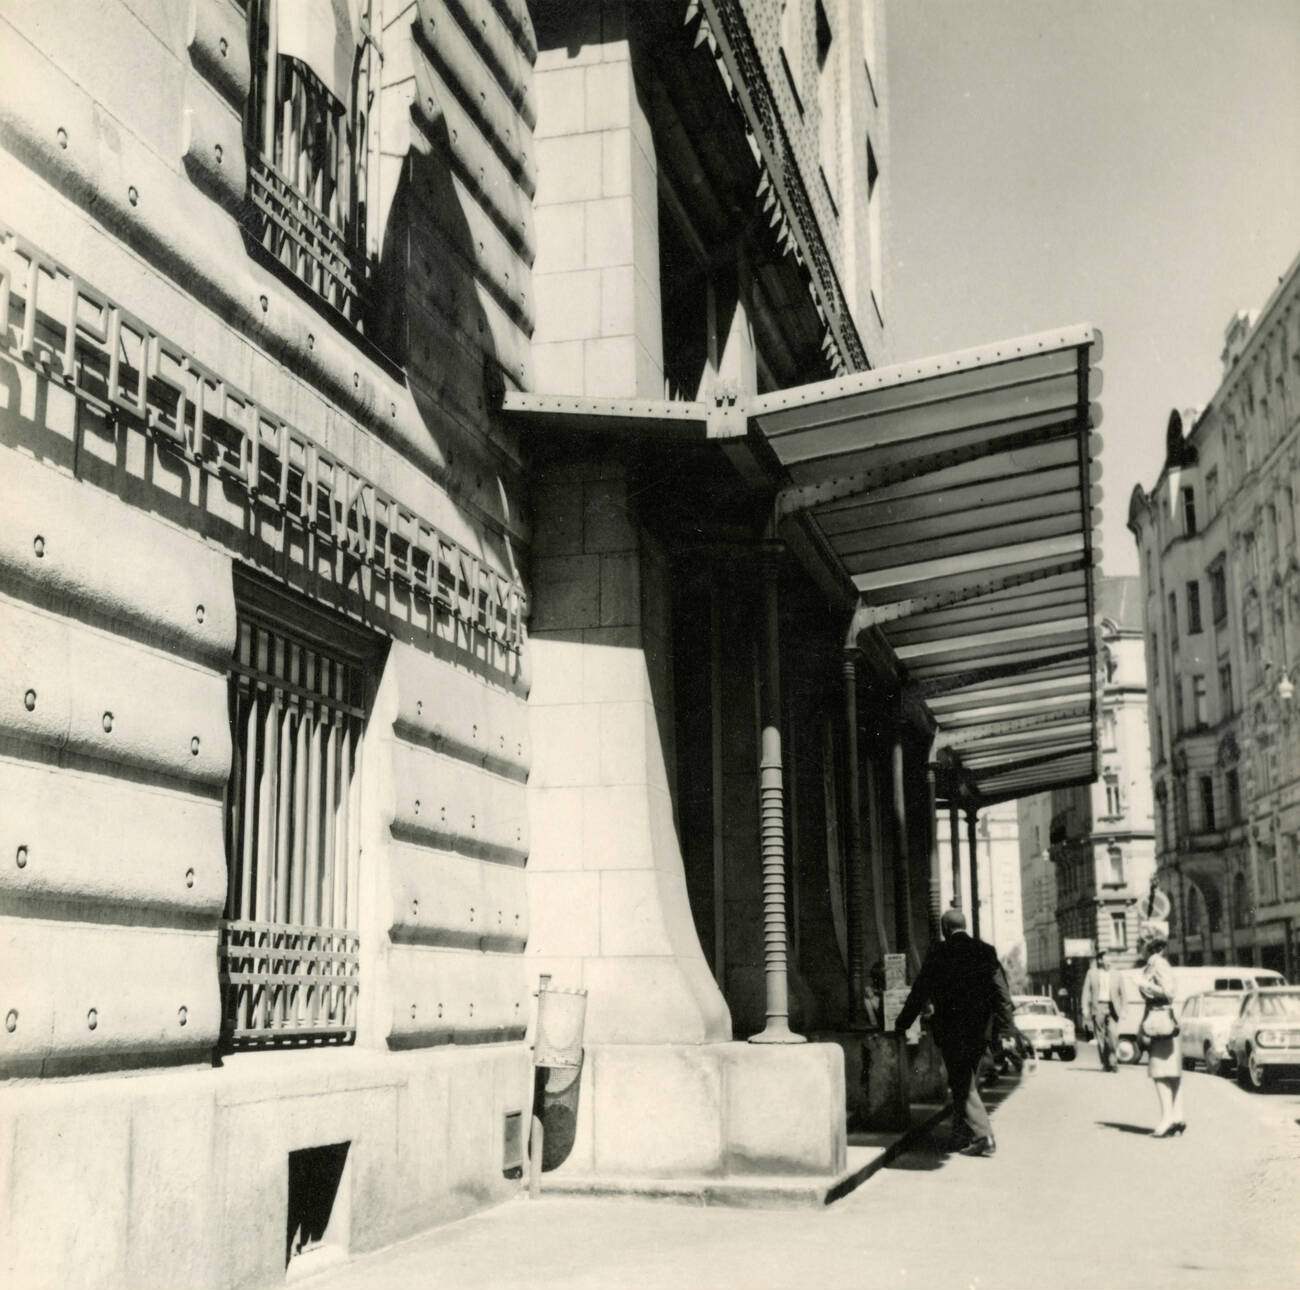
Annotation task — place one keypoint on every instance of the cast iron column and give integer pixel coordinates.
(855, 893)
(972, 846)
(902, 857)
(954, 833)
(771, 819)
(932, 832)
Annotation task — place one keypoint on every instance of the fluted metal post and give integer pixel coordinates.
(954, 833)
(972, 844)
(771, 821)
(855, 893)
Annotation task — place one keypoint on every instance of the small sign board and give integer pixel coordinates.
(894, 1003)
(896, 972)
(1078, 947)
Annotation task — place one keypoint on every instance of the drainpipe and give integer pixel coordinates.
(771, 818)
(855, 914)
(972, 846)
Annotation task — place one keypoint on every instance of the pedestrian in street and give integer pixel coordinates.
(1159, 1027)
(963, 980)
(1099, 1008)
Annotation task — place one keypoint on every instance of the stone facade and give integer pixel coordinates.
(1217, 541)
(263, 513)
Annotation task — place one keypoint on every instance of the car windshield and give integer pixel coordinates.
(1044, 1009)
(1280, 1005)
(1220, 1006)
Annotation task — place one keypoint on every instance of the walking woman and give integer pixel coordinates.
(1160, 1027)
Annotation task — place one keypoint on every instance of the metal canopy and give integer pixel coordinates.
(957, 494)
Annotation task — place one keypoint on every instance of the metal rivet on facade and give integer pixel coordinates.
(392, 409)
(133, 195)
(471, 1009)
(194, 746)
(62, 136)
(29, 700)
(220, 153)
(21, 857)
(473, 821)
(311, 340)
(199, 613)
(107, 722)
(92, 1018)
(415, 909)
(223, 44)
(419, 707)
(264, 302)
(475, 729)
(11, 1020)
(412, 1012)
(440, 1010)
(183, 1014)
(38, 545)
(356, 380)
(189, 877)
(471, 913)
(417, 806)
(442, 814)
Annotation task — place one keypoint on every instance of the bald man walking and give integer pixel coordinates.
(964, 981)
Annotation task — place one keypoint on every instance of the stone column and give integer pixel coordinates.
(857, 859)
(771, 811)
(972, 846)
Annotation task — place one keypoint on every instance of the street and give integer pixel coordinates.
(1077, 1195)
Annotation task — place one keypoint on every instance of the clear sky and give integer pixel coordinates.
(1134, 164)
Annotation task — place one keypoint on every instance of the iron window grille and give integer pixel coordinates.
(307, 167)
(289, 954)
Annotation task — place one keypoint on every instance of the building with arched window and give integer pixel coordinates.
(1222, 583)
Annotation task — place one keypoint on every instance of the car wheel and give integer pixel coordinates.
(1127, 1051)
(1261, 1078)
(1212, 1064)
(1068, 1054)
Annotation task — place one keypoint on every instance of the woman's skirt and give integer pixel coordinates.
(1166, 1059)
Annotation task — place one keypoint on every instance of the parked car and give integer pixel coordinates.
(1265, 1037)
(1206, 1019)
(1188, 981)
(1040, 1021)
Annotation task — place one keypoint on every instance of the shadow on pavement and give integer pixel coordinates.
(931, 1150)
(1125, 1128)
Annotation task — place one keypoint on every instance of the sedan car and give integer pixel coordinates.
(1041, 1022)
(1265, 1037)
(1205, 1021)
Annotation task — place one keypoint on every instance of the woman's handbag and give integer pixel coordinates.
(1158, 1022)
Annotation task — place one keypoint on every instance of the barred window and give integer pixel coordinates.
(289, 940)
(307, 119)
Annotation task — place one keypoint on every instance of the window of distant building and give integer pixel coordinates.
(1240, 901)
(827, 102)
(1206, 787)
(1200, 702)
(1179, 723)
(792, 47)
(1173, 621)
(1189, 512)
(1193, 608)
(306, 144)
(1218, 590)
(1227, 705)
(1232, 791)
(1118, 931)
(1155, 658)
(1108, 730)
(1160, 735)
(1113, 804)
(876, 250)
(1212, 495)
(1115, 865)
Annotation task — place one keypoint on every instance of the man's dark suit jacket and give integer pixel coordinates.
(964, 981)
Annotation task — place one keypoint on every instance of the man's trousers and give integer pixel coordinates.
(969, 1118)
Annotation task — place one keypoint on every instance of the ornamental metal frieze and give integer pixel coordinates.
(55, 322)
